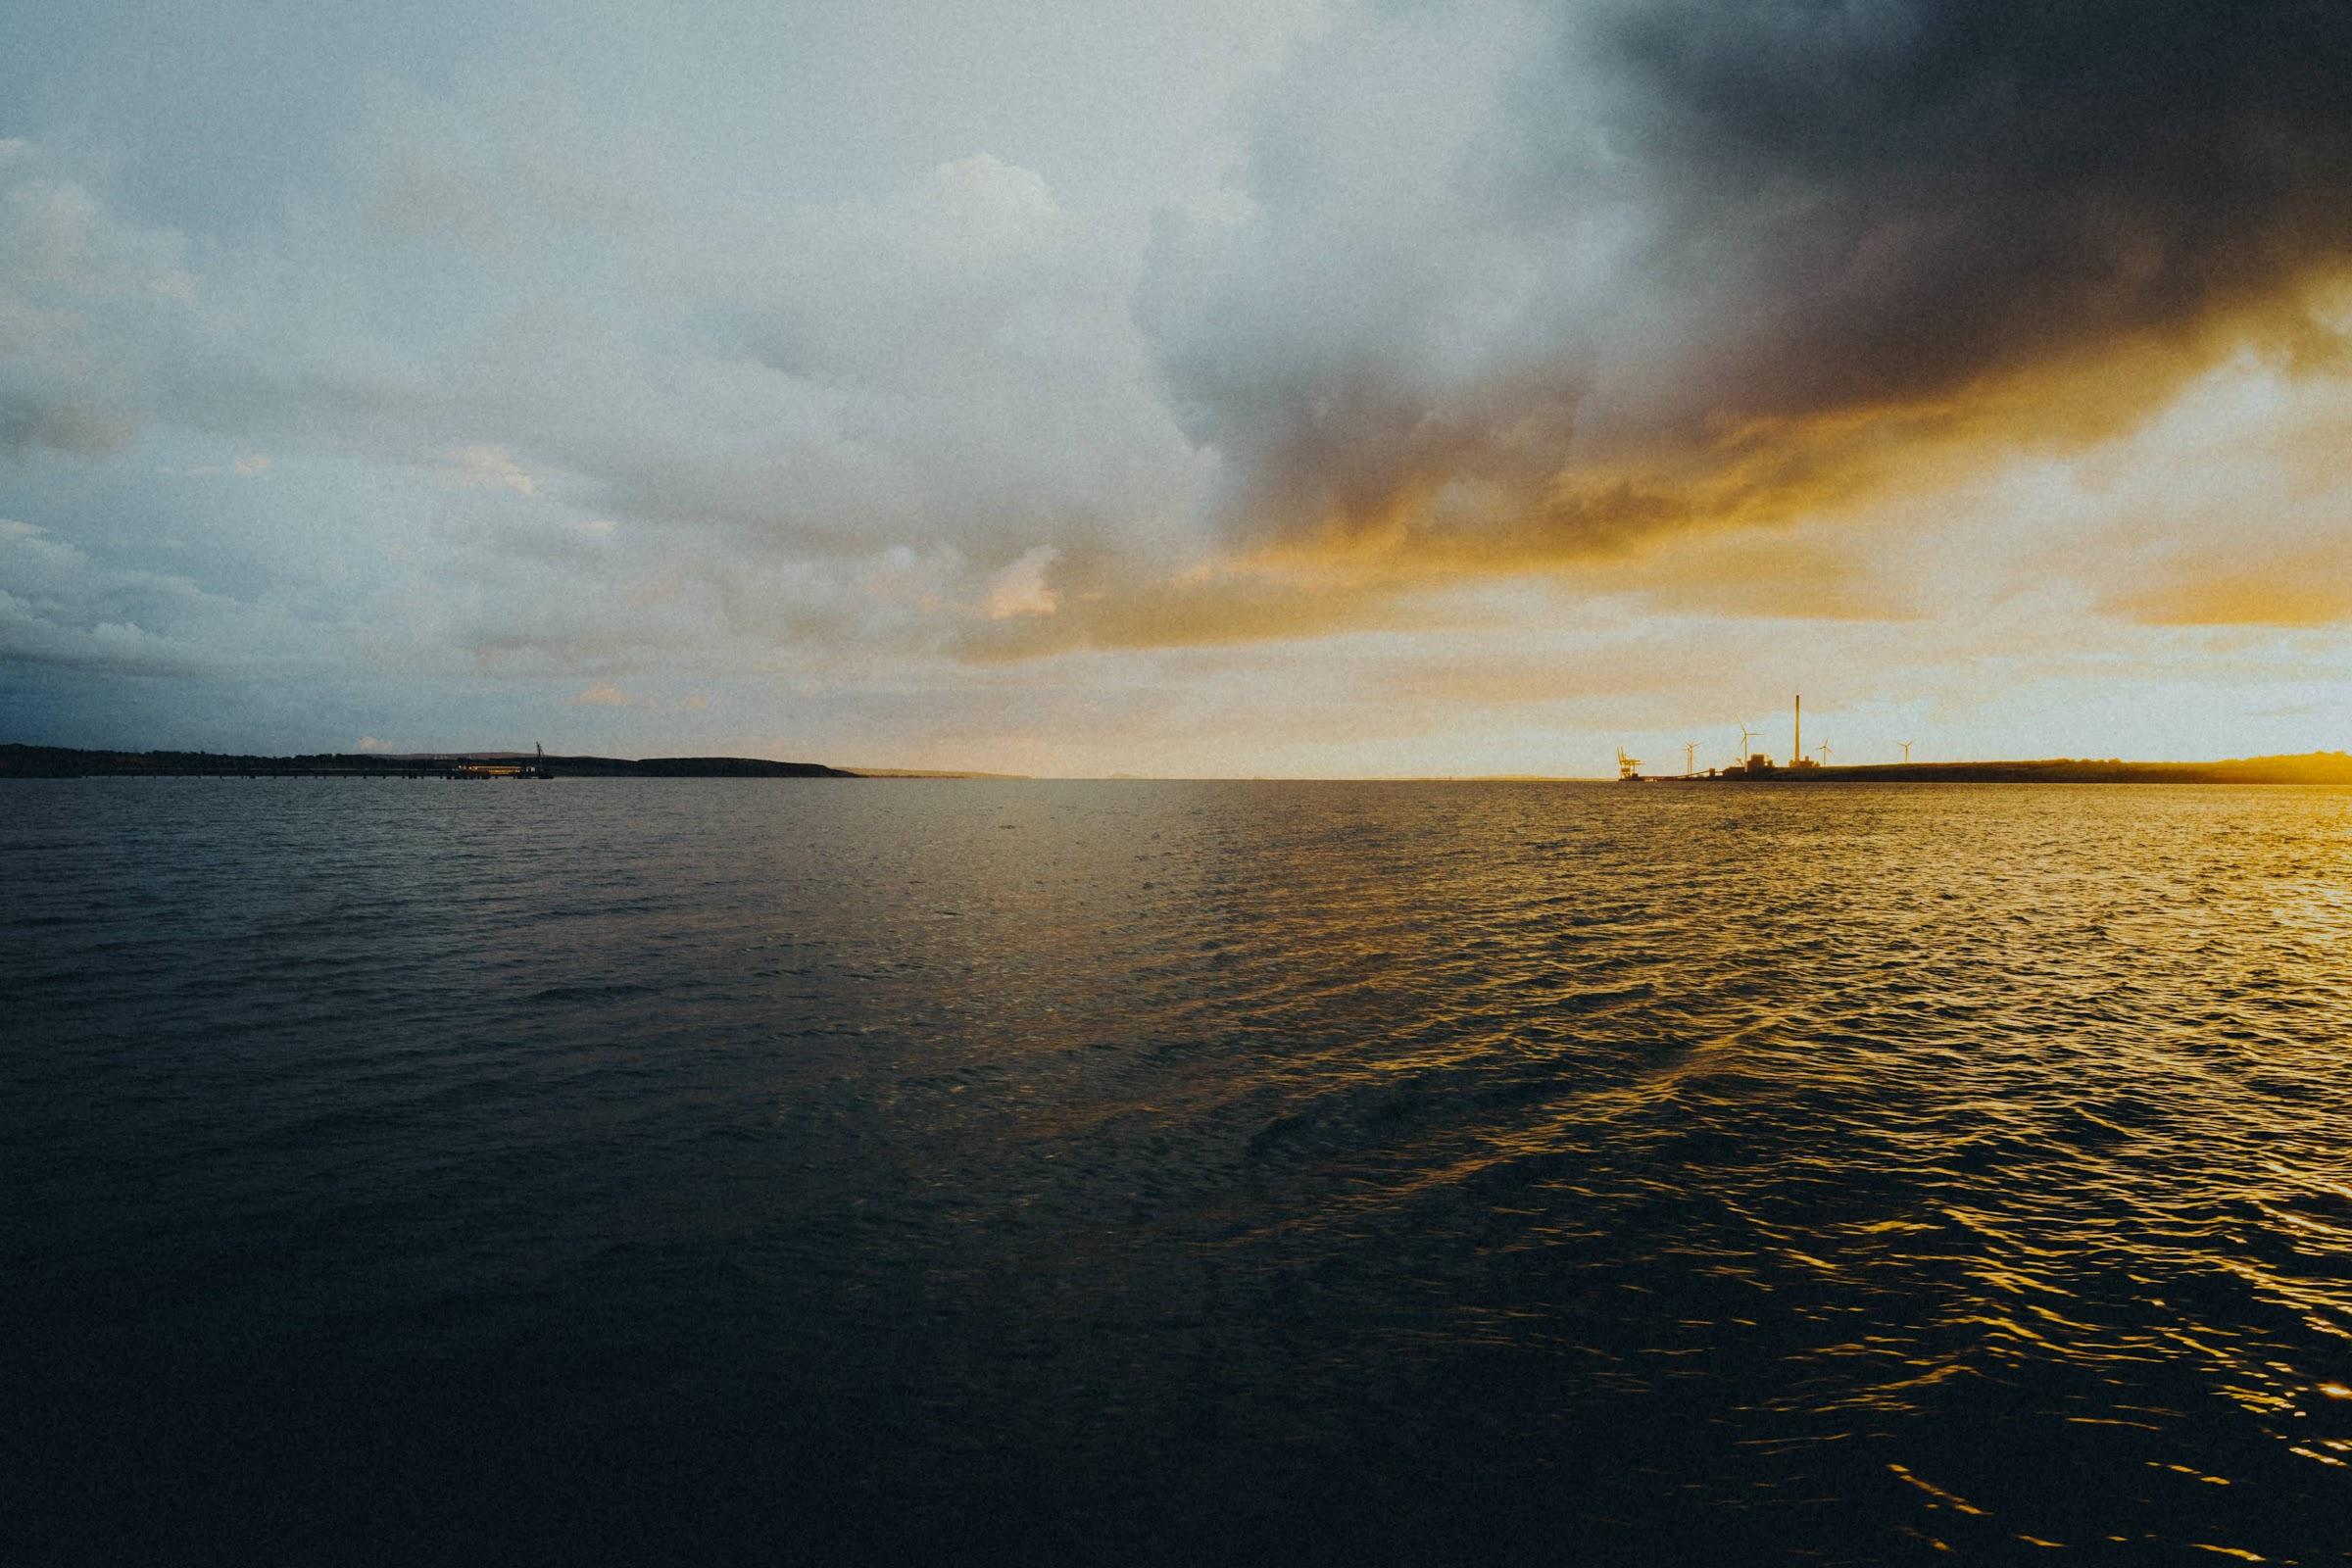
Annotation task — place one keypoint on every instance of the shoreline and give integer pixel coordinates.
(66, 762)
(2315, 767)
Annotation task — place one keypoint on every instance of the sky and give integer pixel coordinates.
(1237, 387)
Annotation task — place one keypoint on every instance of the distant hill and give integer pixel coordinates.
(65, 761)
(687, 767)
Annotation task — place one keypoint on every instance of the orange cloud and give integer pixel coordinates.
(2298, 588)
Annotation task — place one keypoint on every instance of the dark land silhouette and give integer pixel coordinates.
(65, 761)
(2310, 768)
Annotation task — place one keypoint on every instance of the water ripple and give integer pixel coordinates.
(1186, 1172)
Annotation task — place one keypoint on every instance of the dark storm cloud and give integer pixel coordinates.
(1674, 225)
(28, 424)
(1915, 194)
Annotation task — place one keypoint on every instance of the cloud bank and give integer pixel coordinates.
(1522, 284)
(1041, 383)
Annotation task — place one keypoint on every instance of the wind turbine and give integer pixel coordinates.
(1689, 748)
(1824, 754)
(1906, 746)
(1745, 736)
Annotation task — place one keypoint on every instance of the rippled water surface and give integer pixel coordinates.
(808, 1170)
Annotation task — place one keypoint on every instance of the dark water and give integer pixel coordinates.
(707, 1171)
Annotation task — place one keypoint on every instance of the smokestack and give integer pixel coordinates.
(1797, 747)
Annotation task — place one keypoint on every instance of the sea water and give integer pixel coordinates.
(921, 1170)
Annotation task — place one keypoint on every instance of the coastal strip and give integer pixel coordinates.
(65, 761)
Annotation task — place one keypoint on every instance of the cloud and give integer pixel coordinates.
(1820, 332)
(84, 296)
(427, 200)
(2310, 587)
(604, 693)
(1519, 283)
(1020, 589)
(106, 647)
(370, 743)
(483, 466)
(61, 609)
(951, 361)
(2226, 510)
(985, 204)
(1108, 607)
(60, 424)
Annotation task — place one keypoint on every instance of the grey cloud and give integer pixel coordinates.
(1910, 193)
(63, 424)
(763, 401)
(107, 648)
(59, 608)
(954, 360)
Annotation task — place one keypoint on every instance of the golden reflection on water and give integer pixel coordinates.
(2040, 1084)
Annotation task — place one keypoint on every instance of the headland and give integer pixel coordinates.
(65, 761)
